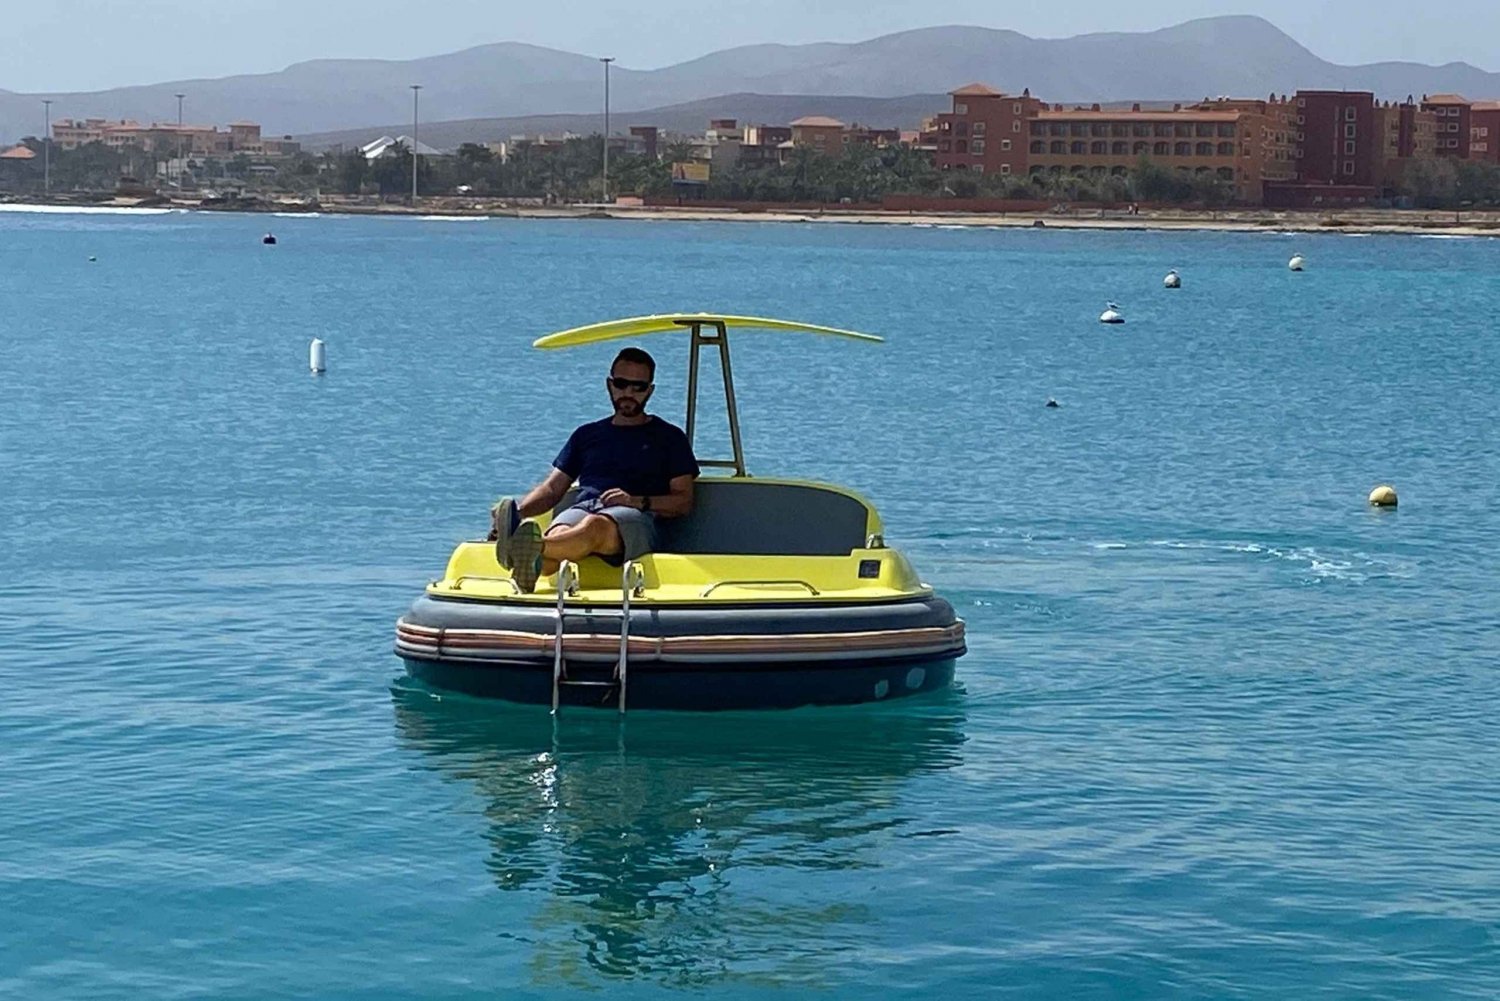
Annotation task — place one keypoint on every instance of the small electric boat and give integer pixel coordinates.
(771, 593)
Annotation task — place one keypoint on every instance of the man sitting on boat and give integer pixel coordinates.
(631, 468)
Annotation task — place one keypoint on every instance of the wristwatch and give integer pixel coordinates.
(645, 502)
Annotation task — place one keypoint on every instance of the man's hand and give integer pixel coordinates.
(615, 497)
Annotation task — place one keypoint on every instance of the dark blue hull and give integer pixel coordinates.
(696, 686)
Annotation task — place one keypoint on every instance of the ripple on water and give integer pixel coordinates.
(1222, 730)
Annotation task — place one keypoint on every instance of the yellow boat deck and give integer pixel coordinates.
(864, 575)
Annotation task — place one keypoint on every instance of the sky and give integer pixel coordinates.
(77, 45)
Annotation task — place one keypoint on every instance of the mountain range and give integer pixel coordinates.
(1238, 55)
(904, 112)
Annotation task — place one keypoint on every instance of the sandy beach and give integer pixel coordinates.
(1247, 220)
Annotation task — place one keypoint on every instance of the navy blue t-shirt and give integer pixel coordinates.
(640, 459)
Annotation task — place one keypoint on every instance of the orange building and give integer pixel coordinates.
(1244, 142)
(823, 135)
(1225, 144)
(196, 140)
(984, 133)
(1241, 141)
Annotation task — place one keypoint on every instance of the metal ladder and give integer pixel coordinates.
(632, 585)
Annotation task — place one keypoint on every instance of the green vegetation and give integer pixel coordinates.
(865, 174)
(97, 167)
(1452, 184)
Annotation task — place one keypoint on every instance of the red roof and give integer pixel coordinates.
(1081, 115)
(1446, 99)
(818, 121)
(975, 90)
(18, 153)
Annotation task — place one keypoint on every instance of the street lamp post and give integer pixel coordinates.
(606, 60)
(47, 149)
(415, 90)
(179, 138)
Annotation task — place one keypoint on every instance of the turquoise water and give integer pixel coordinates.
(1224, 731)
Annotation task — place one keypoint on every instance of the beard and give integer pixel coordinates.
(627, 406)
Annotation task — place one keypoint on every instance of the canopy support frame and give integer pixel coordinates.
(719, 339)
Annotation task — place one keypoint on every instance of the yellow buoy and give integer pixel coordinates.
(1383, 496)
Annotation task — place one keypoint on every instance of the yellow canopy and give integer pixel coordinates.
(666, 322)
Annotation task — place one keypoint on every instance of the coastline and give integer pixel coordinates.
(1362, 221)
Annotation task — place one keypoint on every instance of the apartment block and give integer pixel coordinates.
(1337, 142)
(1453, 113)
(190, 140)
(985, 132)
(1484, 131)
(1243, 142)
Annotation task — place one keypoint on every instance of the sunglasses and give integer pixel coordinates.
(639, 385)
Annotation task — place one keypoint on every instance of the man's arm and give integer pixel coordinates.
(679, 501)
(545, 495)
(675, 504)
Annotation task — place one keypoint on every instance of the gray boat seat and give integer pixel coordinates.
(755, 518)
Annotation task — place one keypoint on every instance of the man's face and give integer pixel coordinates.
(629, 385)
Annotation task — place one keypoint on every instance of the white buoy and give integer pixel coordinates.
(316, 358)
(1383, 496)
(1296, 262)
(1111, 314)
(1172, 280)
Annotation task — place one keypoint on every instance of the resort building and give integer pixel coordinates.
(1453, 114)
(1405, 133)
(822, 134)
(1243, 142)
(764, 144)
(985, 131)
(190, 140)
(1230, 143)
(1352, 149)
(1336, 138)
(1484, 131)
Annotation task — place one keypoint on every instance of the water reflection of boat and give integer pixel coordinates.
(654, 841)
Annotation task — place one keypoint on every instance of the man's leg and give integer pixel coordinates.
(504, 520)
(594, 535)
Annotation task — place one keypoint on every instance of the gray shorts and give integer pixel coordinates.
(637, 528)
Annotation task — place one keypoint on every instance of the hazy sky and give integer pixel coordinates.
(66, 45)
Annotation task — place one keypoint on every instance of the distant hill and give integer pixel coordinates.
(1239, 55)
(891, 112)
